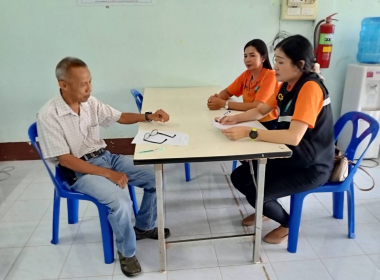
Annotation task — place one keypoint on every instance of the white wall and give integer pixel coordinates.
(173, 43)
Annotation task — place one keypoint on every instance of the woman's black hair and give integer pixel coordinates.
(298, 48)
(262, 49)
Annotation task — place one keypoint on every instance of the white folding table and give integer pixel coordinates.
(188, 112)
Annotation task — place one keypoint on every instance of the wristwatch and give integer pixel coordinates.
(226, 106)
(253, 133)
(146, 116)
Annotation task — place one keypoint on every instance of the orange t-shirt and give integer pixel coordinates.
(309, 103)
(259, 90)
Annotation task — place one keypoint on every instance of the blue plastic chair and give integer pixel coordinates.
(337, 189)
(234, 165)
(61, 190)
(139, 100)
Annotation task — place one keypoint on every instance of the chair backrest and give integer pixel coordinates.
(57, 181)
(138, 98)
(355, 141)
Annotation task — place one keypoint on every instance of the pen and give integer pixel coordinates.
(148, 151)
(287, 106)
(225, 114)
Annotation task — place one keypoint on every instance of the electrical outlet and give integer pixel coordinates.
(293, 11)
(298, 2)
(291, 2)
(299, 9)
(307, 11)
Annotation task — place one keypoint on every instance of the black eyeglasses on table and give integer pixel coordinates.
(155, 132)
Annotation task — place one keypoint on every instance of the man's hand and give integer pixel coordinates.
(118, 178)
(159, 116)
(215, 103)
(236, 133)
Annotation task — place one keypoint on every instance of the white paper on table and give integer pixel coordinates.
(255, 124)
(180, 139)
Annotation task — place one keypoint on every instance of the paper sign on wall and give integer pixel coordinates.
(114, 2)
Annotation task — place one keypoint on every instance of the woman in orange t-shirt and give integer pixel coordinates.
(256, 84)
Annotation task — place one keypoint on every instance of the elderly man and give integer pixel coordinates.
(68, 129)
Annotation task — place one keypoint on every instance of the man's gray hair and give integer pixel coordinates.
(63, 67)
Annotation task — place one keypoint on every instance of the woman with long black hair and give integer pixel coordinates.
(255, 85)
(305, 125)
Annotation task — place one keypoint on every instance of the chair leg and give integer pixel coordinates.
(134, 200)
(234, 164)
(107, 234)
(351, 213)
(187, 172)
(296, 203)
(56, 209)
(338, 204)
(72, 210)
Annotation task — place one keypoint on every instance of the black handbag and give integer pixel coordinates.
(69, 175)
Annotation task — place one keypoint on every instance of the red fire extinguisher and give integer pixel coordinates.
(323, 41)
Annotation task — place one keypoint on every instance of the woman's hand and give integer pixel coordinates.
(228, 120)
(215, 103)
(236, 133)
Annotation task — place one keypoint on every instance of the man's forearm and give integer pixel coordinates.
(131, 118)
(82, 166)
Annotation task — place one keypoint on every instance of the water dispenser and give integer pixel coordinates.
(362, 93)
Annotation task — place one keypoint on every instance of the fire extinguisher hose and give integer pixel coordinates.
(316, 35)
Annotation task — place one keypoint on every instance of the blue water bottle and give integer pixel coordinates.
(369, 43)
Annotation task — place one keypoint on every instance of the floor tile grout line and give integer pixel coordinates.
(17, 199)
(266, 273)
(354, 239)
(196, 172)
(15, 261)
(37, 225)
(300, 232)
(302, 261)
(71, 246)
(338, 256)
(220, 273)
(195, 209)
(235, 197)
(63, 265)
(371, 212)
(80, 224)
(332, 278)
(296, 260)
(373, 261)
(10, 269)
(332, 214)
(1, 217)
(208, 221)
(191, 268)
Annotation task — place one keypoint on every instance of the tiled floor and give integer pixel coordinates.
(206, 206)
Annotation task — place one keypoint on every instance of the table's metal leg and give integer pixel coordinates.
(259, 205)
(160, 216)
